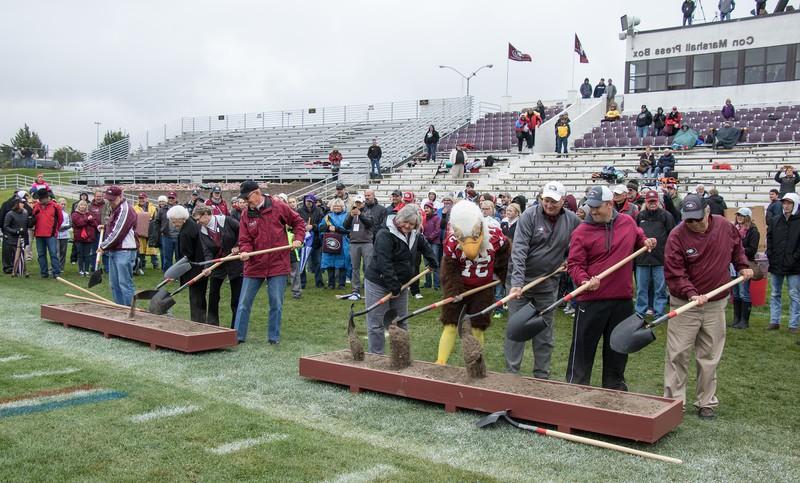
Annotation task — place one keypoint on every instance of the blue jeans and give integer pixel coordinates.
(724, 16)
(561, 143)
(742, 291)
(437, 254)
(375, 166)
(794, 297)
(43, 247)
(430, 149)
(120, 274)
(642, 131)
(169, 251)
(644, 276)
(250, 286)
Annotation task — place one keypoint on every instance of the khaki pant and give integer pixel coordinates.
(457, 171)
(701, 328)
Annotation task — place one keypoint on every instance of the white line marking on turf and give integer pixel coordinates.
(58, 372)
(14, 357)
(234, 446)
(163, 412)
(370, 474)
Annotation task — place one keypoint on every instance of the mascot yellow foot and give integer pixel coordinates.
(446, 343)
(478, 334)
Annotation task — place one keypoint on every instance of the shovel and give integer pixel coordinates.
(356, 349)
(173, 273)
(494, 417)
(526, 323)
(507, 298)
(239, 256)
(163, 300)
(97, 276)
(387, 321)
(633, 334)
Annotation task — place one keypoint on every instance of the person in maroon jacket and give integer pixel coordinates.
(119, 243)
(696, 260)
(263, 225)
(84, 230)
(47, 218)
(217, 203)
(604, 238)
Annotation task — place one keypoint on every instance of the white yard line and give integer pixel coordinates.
(234, 446)
(163, 412)
(369, 474)
(14, 357)
(59, 372)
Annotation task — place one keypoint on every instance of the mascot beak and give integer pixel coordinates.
(471, 246)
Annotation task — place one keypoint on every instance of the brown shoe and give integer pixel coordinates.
(773, 327)
(706, 413)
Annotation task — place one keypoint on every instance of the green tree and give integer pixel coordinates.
(25, 138)
(67, 154)
(112, 136)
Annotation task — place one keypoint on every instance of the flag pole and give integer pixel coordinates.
(507, 62)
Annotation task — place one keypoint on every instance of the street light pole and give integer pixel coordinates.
(97, 124)
(465, 77)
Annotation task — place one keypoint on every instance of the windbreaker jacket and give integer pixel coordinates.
(265, 227)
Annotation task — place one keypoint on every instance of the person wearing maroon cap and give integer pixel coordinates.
(696, 260)
(263, 225)
(656, 222)
(168, 239)
(119, 242)
(603, 239)
(145, 213)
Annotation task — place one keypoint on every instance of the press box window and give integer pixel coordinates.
(703, 70)
(676, 72)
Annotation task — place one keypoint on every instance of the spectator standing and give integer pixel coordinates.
(783, 243)
(39, 184)
(433, 198)
(673, 123)
(335, 255)
(100, 210)
(643, 121)
(217, 203)
(774, 208)
(725, 9)
(168, 240)
(687, 8)
(145, 214)
(191, 248)
(264, 226)
(195, 199)
(374, 154)
(540, 109)
(741, 293)
(432, 233)
(84, 230)
(335, 158)
(562, 130)
(659, 121)
(621, 203)
(15, 227)
(82, 196)
(521, 128)
(672, 201)
(312, 215)
(236, 208)
(359, 223)
(633, 195)
(603, 239)
(700, 190)
(787, 179)
(534, 121)
(47, 218)
(458, 158)
(431, 140)
(600, 88)
(696, 260)
(375, 211)
(63, 233)
(120, 244)
(728, 111)
(716, 203)
(657, 223)
(611, 93)
(586, 89)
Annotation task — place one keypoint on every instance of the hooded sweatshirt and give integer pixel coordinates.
(595, 247)
(783, 241)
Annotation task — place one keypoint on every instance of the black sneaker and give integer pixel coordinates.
(274, 342)
(706, 413)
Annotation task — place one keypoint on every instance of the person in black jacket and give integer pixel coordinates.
(783, 253)
(659, 121)
(312, 215)
(643, 121)
(774, 209)
(716, 202)
(168, 233)
(656, 222)
(741, 292)
(600, 88)
(219, 237)
(787, 179)
(374, 154)
(189, 247)
(391, 266)
(431, 142)
(15, 228)
(687, 8)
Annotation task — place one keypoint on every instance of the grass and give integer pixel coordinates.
(254, 390)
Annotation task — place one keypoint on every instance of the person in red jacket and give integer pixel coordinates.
(119, 243)
(84, 233)
(335, 158)
(534, 121)
(696, 260)
(47, 218)
(263, 225)
(604, 238)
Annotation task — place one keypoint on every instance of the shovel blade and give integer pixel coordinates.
(631, 335)
(490, 419)
(388, 318)
(145, 294)
(161, 302)
(96, 278)
(525, 324)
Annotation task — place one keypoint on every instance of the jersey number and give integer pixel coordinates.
(481, 267)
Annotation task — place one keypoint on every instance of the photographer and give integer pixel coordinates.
(360, 225)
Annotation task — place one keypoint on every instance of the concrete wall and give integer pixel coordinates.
(584, 114)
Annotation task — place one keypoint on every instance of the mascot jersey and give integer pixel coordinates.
(481, 270)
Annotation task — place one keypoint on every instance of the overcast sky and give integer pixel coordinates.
(135, 64)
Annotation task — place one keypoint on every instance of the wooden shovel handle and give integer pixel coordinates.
(250, 254)
(100, 302)
(197, 277)
(530, 285)
(99, 255)
(389, 295)
(605, 273)
(87, 292)
(471, 291)
(716, 291)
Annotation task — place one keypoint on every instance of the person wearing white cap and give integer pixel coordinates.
(741, 293)
(621, 202)
(783, 243)
(360, 225)
(540, 245)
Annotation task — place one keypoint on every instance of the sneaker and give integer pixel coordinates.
(649, 312)
(773, 327)
(568, 310)
(140, 272)
(418, 296)
(497, 315)
(295, 295)
(274, 342)
(706, 413)
(353, 297)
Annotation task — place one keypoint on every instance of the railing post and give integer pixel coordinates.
(302, 117)
(391, 111)
(323, 115)
(345, 113)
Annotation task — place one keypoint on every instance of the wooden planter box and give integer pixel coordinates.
(156, 330)
(655, 417)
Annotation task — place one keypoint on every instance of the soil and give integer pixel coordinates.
(473, 356)
(356, 349)
(143, 319)
(572, 393)
(400, 347)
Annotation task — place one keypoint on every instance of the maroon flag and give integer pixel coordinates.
(516, 55)
(579, 50)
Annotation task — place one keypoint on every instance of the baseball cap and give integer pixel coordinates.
(246, 188)
(651, 195)
(408, 197)
(162, 198)
(598, 195)
(397, 193)
(744, 211)
(619, 189)
(112, 192)
(172, 194)
(693, 207)
(195, 193)
(339, 186)
(143, 195)
(216, 190)
(21, 194)
(428, 204)
(358, 198)
(554, 190)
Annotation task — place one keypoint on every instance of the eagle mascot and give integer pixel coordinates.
(473, 254)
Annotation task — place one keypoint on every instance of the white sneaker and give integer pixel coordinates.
(354, 297)
(568, 310)
(418, 296)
